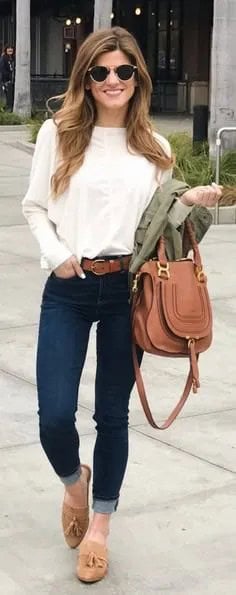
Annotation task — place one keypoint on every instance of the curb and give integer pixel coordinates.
(227, 215)
(24, 146)
(13, 127)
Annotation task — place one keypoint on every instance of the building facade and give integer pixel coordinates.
(174, 35)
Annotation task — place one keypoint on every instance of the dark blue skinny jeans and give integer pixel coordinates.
(69, 307)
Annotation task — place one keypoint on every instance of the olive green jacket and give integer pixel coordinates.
(155, 222)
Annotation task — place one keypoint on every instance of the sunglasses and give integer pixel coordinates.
(99, 74)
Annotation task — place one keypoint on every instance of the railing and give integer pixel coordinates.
(218, 156)
(48, 76)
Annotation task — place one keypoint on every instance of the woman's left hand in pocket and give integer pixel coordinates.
(202, 196)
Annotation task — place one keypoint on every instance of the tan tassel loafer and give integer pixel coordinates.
(75, 521)
(92, 562)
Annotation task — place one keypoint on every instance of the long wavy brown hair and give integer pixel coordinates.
(77, 116)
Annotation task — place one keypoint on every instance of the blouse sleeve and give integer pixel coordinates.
(35, 202)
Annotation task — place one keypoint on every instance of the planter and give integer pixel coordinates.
(226, 214)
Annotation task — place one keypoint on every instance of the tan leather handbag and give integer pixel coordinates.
(171, 316)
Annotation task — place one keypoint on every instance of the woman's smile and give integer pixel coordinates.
(113, 92)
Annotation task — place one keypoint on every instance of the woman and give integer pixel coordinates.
(7, 74)
(96, 169)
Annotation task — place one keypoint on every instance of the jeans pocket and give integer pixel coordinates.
(63, 279)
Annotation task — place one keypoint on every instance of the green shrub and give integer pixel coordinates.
(228, 169)
(35, 125)
(2, 106)
(191, 166)
(8, 118)
(195, 168)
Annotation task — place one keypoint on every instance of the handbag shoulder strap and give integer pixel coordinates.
(144, 401)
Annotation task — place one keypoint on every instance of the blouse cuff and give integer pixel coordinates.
(178, 213)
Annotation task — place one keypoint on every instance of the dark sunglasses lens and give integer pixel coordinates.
(99, 73)
(125, 72)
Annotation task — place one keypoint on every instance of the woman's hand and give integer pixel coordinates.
(69, 268)
(204, 196)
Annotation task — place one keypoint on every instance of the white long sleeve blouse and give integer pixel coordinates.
(100, 211)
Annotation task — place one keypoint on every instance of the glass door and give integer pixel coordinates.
(164, 40)
(169, 40)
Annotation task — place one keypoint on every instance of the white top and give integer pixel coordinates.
(101, 209)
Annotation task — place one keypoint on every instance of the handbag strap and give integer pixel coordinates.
(143, 396)
(161, 251)
(193, 375)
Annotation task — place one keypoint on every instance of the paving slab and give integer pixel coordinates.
(12, 133)
(160, 524)
(218, 443)
(19, 158)
(10, 214)
(7, 259)
(6, 190)
(18, 413)
(168, 124)
(17, 240)
(15, 279)
(14, 171)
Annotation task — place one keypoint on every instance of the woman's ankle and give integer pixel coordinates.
(100, 537)
(76, 493)
(99, 528)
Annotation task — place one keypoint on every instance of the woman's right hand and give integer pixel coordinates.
(69, 268)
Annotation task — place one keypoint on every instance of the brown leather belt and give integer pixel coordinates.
(100, 266)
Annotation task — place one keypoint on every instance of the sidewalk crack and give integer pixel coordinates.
(184, 451)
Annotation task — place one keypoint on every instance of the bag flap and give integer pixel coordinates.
(185, 302)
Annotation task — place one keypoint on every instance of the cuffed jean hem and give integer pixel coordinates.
(70, 479)
(105, 506)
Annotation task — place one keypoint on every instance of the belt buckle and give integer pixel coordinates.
(93, 265)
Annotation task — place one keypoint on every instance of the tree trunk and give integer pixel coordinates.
(22, 101)
(102, 14)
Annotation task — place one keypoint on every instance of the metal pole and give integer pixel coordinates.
(218, 156)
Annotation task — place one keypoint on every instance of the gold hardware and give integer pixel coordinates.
(135, 283)
(163, 270)
(199, 274)
(93, 266)
(190, 342)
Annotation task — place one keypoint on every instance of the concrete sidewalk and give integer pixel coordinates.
(175, 528)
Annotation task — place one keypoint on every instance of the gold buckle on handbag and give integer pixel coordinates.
(163, 270)
(199, 274)
(135, 283)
